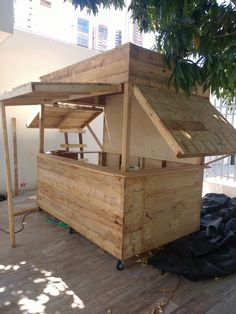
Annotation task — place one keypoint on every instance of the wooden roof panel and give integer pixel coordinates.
(191, 126)
(50, 92)
(65, 118)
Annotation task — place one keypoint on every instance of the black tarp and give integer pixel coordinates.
(209, 253)
(2, 198)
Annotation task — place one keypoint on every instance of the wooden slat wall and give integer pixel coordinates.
(109, 67)
(88, 200)
(152, 217)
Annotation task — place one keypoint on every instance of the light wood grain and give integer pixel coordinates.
(8, 176)
(15, 155)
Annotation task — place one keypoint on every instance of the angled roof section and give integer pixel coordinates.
(35, 93)
(65, 117)
(191, 126)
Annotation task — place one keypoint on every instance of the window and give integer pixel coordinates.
(83, 26)
(82, 40)
(118, 38)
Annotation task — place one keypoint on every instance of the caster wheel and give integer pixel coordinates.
(120, 265)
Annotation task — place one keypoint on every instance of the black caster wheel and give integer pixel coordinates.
(120, 265)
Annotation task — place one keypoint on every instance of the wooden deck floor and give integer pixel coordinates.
(53, 271)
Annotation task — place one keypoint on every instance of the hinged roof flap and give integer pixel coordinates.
(65, 117)
(191, 126)
(35, 93)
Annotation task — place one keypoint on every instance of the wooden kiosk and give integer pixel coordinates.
(146, 189)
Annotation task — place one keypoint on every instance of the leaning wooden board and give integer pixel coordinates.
(124, 213)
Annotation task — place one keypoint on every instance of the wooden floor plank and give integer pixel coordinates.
(56, 272)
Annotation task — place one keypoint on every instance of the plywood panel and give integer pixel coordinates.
(191, 126)
(89, 201)
(146, 141)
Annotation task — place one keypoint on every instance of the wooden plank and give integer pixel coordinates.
(216, 159)
(64, 118)
(38, 92)
(95, 137)
(128, 93)
(41, 129)
(8, 176)
(15, 155)
(66, 140)
(81, 143)
(73, 145)
(71, 131)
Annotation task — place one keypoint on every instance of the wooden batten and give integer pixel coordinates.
(41, 128)
(8, 176)
(73, 145)
(125, 153)
(95, 137)
(15, 155)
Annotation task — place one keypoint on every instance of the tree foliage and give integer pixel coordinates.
(198, 38)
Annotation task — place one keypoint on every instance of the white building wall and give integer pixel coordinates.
(24, 58)
(6, 19)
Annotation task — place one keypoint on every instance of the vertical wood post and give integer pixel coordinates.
(8, 176)
(128, 93)
(66, 140)
(81, 148)
(15, 155)
(41, 129)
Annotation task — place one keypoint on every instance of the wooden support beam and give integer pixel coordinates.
(66, 140)
(8, 176)
(81, 143)
(214, 160)
(15, 155)
(71, 131)
(73, 145)
(128, 93)
(95, 136)
(41, 128)
(102, 158)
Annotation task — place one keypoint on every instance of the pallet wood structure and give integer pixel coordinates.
(146, 189)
